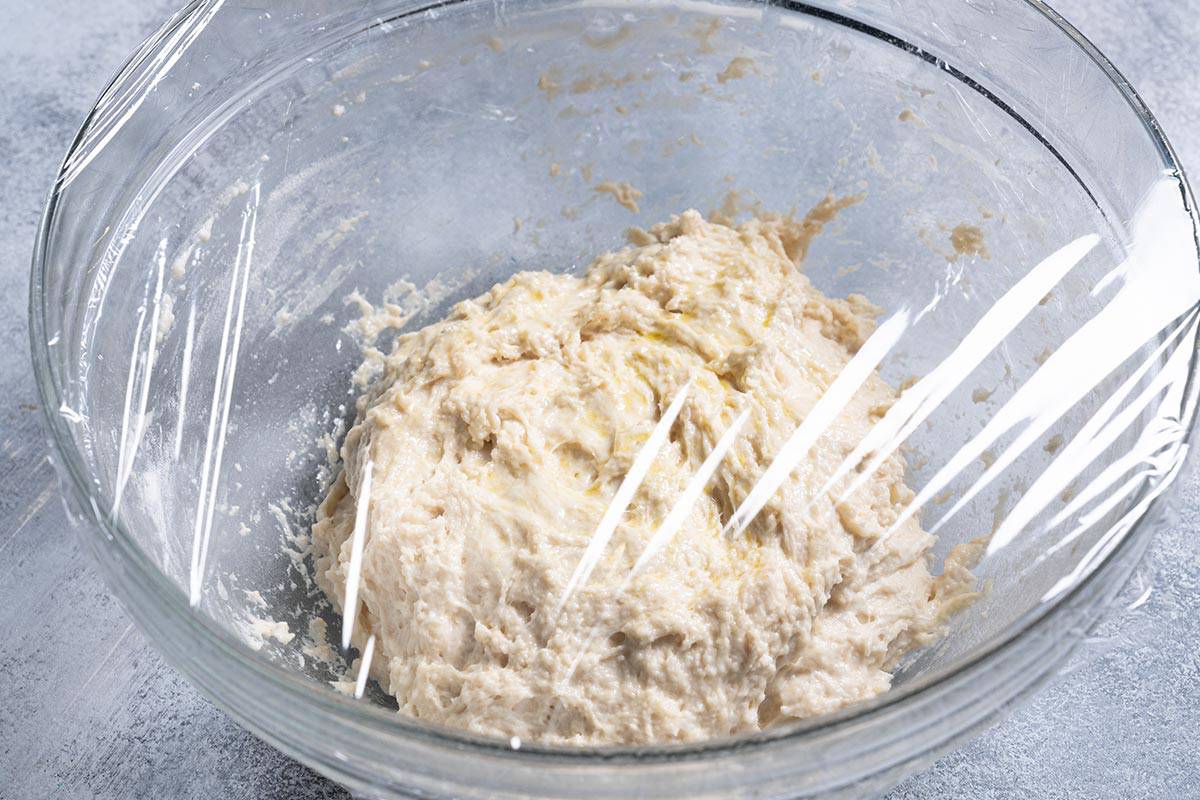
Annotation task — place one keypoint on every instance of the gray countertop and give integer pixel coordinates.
(89, 709)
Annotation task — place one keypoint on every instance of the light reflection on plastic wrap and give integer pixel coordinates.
(148, 70)
(222, 398)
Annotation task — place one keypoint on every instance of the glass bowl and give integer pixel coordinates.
(247, 171)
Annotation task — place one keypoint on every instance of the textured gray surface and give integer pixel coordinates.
(104, 717)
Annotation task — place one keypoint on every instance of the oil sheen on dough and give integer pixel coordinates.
(498, 437)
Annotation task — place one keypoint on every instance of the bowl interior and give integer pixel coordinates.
(417, 157)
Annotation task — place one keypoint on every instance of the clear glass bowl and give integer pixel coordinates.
(246, 171)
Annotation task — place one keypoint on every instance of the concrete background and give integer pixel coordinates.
(104, 717)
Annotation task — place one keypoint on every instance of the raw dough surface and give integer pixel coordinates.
(498, 437)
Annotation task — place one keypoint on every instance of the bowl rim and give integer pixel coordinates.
(224, 644)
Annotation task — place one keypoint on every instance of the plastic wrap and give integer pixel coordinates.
(252, 182)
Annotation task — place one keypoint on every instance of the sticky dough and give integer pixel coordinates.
(497, 438)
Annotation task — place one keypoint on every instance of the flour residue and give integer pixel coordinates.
(548, 82)
(622, 191)
(739, 67)
(968, 240)
(704, 34)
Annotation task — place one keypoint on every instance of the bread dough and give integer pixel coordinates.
(498, 437)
